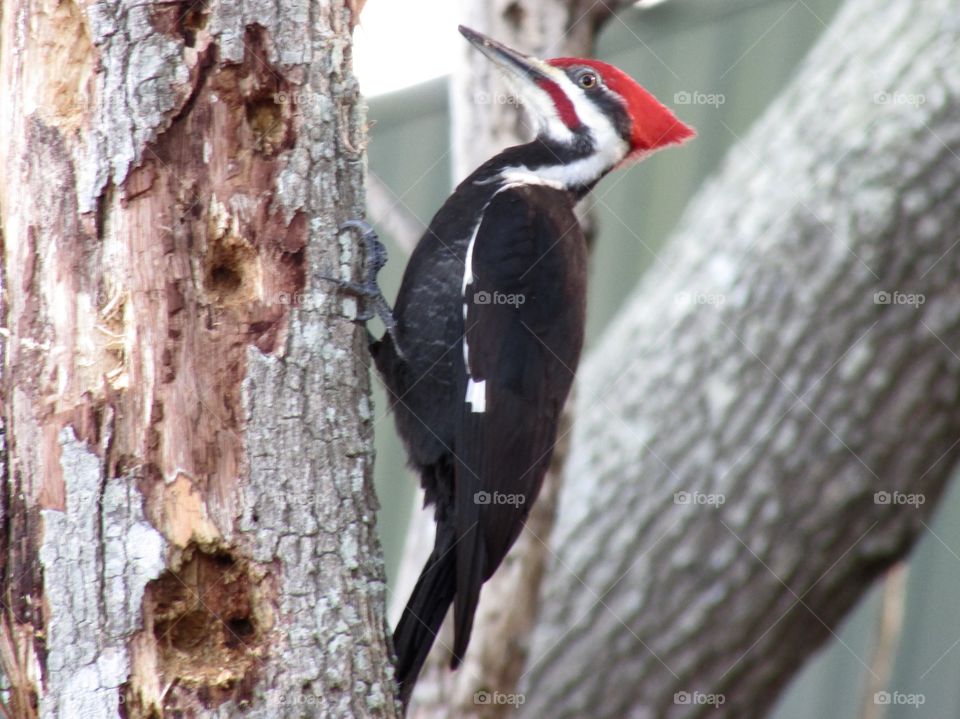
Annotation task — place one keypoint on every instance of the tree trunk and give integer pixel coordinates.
(188, 507)
(768, 425)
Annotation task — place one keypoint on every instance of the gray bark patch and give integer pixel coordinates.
(102, 534)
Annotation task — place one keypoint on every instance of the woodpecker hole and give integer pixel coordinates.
(224, 279)
(268, 122)
(223, 559)
(232, 266)
(208, 632)
(184, 632)
(239, 630)
(192, 17)
(183, 19)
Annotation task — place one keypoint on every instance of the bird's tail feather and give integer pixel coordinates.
(470, 564)
(424, 613)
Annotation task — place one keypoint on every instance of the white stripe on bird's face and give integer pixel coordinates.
(537, 102)
(609, 147)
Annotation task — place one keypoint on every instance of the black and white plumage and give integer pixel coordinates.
(495, 438)
(490, 320)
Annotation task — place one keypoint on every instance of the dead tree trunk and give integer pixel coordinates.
(187, 502)
(755, 433)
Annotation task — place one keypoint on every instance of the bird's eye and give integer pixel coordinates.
(588, 81)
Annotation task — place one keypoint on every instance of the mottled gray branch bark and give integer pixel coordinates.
(796, 355)
(189, 518)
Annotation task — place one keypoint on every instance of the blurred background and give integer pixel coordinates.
(717, 63)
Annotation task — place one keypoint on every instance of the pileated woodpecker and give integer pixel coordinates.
(483, 342)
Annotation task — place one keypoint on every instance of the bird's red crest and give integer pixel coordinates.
(654, 125)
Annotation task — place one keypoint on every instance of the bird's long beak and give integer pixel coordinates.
(516, 64)
(542, 89)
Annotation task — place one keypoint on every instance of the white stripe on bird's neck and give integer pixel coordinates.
(609, 148)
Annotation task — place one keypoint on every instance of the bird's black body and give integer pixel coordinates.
(483, 342)
(530, 244)
(529, 261)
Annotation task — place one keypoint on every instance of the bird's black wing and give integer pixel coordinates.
(523, 330)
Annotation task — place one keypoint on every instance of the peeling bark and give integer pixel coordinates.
(778, 362)
(188, 504)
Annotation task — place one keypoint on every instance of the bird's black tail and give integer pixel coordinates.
(424, 613)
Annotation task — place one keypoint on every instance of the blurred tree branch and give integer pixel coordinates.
(390, 216)
(756, 431)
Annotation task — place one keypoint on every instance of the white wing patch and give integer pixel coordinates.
(477, 395)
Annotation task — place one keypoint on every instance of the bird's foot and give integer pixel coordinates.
(372, 302)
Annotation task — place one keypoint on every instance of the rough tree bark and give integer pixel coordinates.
(765, 369)
(187, 501)
(484, 120)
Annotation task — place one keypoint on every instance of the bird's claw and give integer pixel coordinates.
(373, 303)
